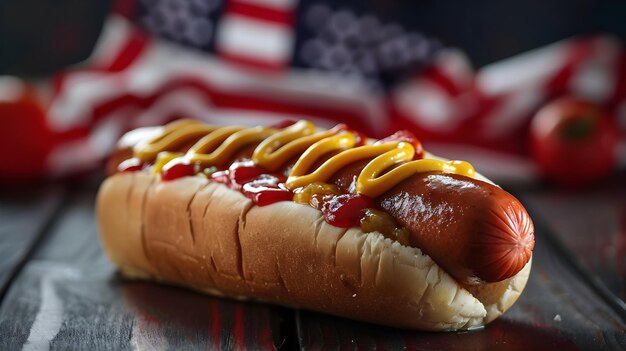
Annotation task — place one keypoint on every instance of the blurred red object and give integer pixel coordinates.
(25, 137)
(574, 142)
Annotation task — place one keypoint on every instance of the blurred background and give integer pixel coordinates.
(522, 89)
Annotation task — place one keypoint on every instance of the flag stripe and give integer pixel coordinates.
(261, 12)
(260, 41)
(129, 53)
(245, 60)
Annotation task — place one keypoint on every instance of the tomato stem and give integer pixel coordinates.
(578, 129)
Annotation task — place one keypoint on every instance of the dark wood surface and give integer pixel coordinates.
(68, 296)
(24, 216)
(62, 293)
(591, 224)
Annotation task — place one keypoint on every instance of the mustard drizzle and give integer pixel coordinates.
(215, 146)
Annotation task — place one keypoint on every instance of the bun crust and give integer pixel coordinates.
(205, 236)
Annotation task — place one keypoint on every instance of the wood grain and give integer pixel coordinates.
(23, 218)
(591, 225)
(557, 311)
(69, 297)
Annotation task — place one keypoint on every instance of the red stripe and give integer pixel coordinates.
(442, 80)
(261, 12)
(127, 53)
(252, 62)
(131, 50)
(57, 82)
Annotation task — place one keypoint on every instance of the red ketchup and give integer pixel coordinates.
(238, 174)
(131, 165)
(221, 177)
(406, 136)
(177, 168)
(243, 172)
(254, 182)
(346, 210)
(266, 190)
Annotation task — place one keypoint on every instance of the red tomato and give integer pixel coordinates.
(25, 138)
(574, 142)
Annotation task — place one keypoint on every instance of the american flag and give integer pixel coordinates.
(260, 61)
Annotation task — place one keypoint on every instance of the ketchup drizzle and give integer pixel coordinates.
(266, 190)
(177, 168)
(131, 165)
(255, 182)
(346, 210)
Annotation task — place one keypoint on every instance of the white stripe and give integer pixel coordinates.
(595, 79)
(11, 89)
(429, 106)
(74, 105)
(456, 66)
(259, 40)
(522, 70)
(192, 104)
(110, 42)
(88, 152)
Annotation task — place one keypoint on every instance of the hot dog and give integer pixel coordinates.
(489, 225)
(378, 231)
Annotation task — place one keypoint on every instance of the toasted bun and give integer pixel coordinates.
(205, 236)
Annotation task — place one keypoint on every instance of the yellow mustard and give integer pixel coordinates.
(225, 142)
(277, 149)
(371, 183)
(174, 136)
(215, 146)
(163, 158)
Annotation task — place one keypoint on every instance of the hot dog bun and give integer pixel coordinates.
(203, 235)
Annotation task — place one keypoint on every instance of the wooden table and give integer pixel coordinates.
(58, 291)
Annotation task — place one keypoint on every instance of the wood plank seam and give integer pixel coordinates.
(45, 226)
